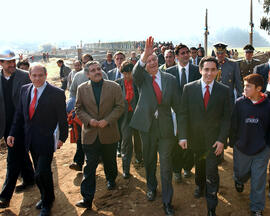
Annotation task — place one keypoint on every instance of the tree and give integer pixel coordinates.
(265, 20)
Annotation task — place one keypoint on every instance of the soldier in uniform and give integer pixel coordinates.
(229, 73)
(247, 64)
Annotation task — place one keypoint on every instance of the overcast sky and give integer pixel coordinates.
(58, 21)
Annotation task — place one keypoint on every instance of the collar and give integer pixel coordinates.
(158, 76)
(204, 84)
(41, 88)
(186, 67)
(263, 97)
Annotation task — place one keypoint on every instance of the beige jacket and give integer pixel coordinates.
(111, 108)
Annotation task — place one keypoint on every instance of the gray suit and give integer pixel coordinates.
(157, 133)
(230, 76)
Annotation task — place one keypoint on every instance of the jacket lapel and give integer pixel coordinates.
(190, 73)
(27, 102)
(16, 83)
(104, 90)
(213, 95)
(42, 97)
(199, 94)
(91, 96)
(163, 84)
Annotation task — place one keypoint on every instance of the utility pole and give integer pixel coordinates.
(206, 33)
(251, 24)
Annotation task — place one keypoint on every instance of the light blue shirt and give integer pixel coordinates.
(39, 92)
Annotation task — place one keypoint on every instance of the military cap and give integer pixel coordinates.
(7, 55)
(220, 47)
(249, 48)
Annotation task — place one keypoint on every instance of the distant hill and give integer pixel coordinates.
(236, 37)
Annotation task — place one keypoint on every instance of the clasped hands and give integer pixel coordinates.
(101, 124)
(218, 145)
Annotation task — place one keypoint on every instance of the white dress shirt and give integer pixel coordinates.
(180, 71)
(39, 92)
(158, 76)
(204, 87)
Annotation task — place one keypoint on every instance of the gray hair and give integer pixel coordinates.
(88, 64)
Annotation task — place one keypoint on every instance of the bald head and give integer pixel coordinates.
(38, 75)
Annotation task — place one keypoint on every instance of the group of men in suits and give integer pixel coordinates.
(30, 128)
(144, 100)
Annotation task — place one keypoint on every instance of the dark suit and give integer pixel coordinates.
(18, 160)
(127, 132)
(263, 69)
(157, 132)
(183, 158)
(202, 128)
(39, 138)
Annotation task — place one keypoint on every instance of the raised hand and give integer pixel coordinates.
(148, 49)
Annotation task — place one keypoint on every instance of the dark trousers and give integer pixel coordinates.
(44, 177)
(127, 147)
(64, 84)
(182, 159)
(206, 176)
(18, 162)
(79, 155)
(153, 143)
(92, 153)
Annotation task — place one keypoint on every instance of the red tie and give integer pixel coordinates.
(157, 90)
(206, 96)
(33, 105)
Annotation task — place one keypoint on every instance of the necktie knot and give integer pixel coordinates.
(154, 77)
(207, 87)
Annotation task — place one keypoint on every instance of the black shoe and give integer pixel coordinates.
(199, 192)
(126, 175)
(84, 204)
(168, 208)
(39, 205)
(211, 212)
(111, 185)
(45, 211)
(187, 173)
(239, 187)
(151, 195)
(119, 154)
(4, 203)
(23, 187)
(256, 213)
(75, 166)
(177, 177)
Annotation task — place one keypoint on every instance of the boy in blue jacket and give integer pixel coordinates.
(250, 131)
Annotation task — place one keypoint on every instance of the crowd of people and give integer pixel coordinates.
(170, 100)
